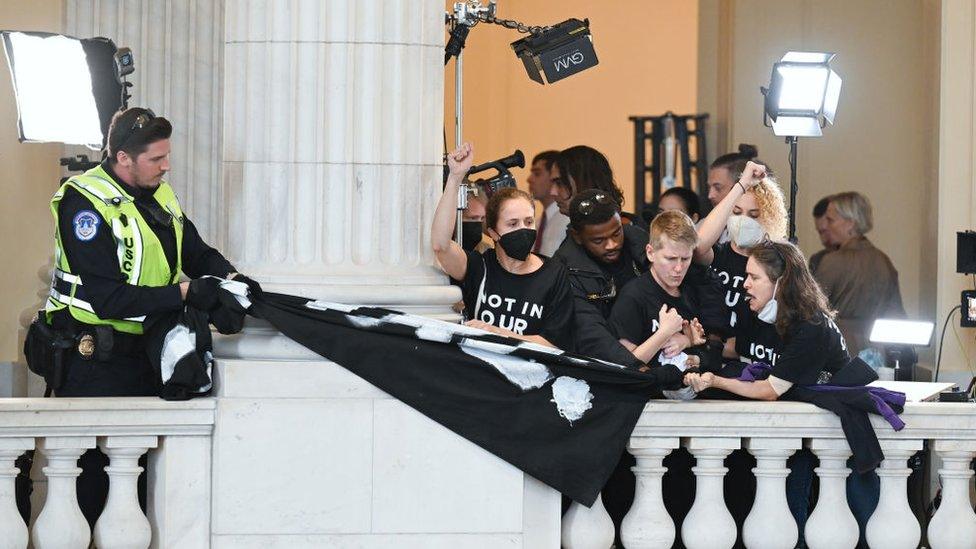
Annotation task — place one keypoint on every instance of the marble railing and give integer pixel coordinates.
(771, 432)
(178, 437)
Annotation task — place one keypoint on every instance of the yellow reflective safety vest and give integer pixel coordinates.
(142, 259)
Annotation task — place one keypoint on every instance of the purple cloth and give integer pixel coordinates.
(755, 371)
(883, 398)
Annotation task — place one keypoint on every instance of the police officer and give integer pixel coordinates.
(121, 242)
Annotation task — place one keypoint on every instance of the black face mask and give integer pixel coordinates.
(470, 234)
(518, 244)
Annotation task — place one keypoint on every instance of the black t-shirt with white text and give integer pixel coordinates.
(755, 340)
(635, 313)
(731, 269)
(811, 353)
(537, 303)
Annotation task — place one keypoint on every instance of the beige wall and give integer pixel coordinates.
(31, 177)
(647, 53)
(955, 209)
(884, 143)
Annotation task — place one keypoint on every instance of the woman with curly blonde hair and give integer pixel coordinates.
(753, 211)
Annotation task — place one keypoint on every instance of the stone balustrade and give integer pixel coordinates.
(178, 437)
(771, 432)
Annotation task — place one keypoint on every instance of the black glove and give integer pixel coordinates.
(202, 293)
(252, 285)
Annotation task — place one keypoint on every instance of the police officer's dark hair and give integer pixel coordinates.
(600, 208)
(124, 136)
(688, 197)
(547, 157)
(820, 208)
(736, 162)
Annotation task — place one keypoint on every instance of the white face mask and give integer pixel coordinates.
(745, 231)
(768, 313)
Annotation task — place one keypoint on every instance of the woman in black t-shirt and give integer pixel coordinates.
(507, 290)
(753, 210)
(782, 293)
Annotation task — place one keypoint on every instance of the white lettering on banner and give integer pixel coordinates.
(761, 352)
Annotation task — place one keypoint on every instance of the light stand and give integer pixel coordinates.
(801, 99)
(794, 187)
(554, 52)
(465, 16)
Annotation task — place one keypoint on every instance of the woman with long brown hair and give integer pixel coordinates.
(788, 325)
(786, 322)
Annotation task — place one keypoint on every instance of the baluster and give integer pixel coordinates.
(893, 524)
(61, 524)
(709, 525)
(954, 524)
(770, 525)
(647, 524)
(122, 525)
(587, 528)
(831, 525)
(14, 531)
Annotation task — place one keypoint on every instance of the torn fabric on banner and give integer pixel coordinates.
(561, 418)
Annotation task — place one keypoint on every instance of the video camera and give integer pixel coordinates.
(503, 178)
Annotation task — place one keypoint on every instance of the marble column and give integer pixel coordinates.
(333, 117)
(178, 45)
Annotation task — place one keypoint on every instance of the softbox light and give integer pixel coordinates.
(66, 89)
(802, 95)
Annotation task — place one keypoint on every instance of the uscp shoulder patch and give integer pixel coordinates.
(86, 225)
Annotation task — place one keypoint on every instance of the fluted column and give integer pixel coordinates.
(648, 524)
(709, 507)
(61, 524)
(122, 525)
(587, 527)
(14, 531)
(177, 46)
(333, 118)
(893, 523)
(831, 525)
(770, 525)
(954, 523)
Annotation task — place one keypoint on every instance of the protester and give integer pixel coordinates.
(788, 325)
(507, 290)
(753, 210)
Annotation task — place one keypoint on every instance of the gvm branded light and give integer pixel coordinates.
(557, 52)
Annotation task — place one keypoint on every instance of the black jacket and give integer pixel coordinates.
(593, 298)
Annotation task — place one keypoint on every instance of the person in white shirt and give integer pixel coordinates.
(552, 224)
